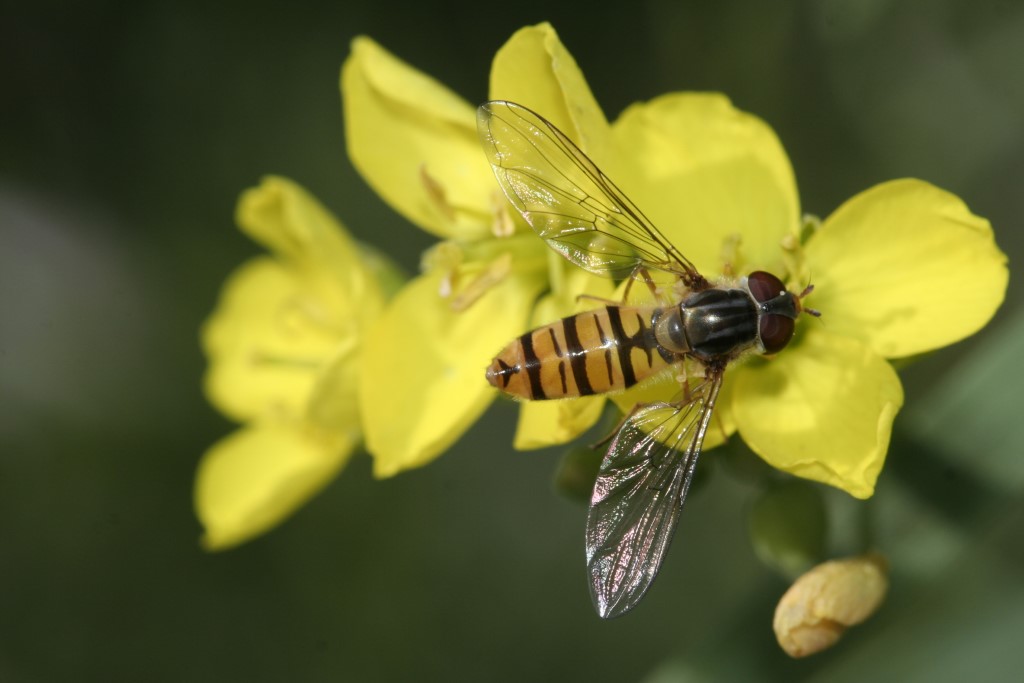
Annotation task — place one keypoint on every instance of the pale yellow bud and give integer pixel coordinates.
(824, 602)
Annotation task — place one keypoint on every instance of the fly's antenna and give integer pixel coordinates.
(807, 290)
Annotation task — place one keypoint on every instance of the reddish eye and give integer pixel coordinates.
(776, 331)
(764, 286)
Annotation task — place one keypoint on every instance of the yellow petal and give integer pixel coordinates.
(705, 172)
(265, 344)
(415, 142)
(422, 382)
(573, 290)
(286, 219)
(252, 480)
(535, 70)
(822, 409)
(906, 267)
(289, 221)
(547, 423)
(333, 404)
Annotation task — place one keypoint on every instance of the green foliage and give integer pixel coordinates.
(788, 524)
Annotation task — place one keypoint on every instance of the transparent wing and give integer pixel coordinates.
(639, 494)
(568, 200)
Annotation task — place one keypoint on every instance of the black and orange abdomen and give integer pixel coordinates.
(607, 349)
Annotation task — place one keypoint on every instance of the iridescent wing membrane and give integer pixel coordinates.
(639, 493)
(568, 201)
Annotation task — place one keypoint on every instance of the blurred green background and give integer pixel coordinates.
(128, 131)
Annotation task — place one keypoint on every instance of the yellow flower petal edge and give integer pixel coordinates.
(244, 486)
(415, 142)
(422, 382)
(906, 267)
(535, 70)
(333, 403)
(547, 423)
(263, 350)
(338, 276)
(706, 173)
(282, 216)
(822, 410)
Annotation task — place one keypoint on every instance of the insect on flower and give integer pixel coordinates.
(695, 328)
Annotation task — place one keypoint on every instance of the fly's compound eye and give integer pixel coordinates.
(764, 286)
(775, 331)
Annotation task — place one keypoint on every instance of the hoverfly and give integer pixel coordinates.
(644, 477)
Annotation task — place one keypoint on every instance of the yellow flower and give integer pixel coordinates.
(283, 346)
(416, 144)
(820, 605)
(899, 269)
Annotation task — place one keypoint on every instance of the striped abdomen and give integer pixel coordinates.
(606, 349)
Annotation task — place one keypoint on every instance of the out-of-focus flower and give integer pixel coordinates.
(284, 347)
(820, 605)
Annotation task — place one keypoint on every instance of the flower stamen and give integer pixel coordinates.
(298, 312)
(502, 224)
(496, 271)
(264, 358)
(436, 194)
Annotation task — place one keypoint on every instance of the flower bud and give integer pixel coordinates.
(788, 524)
(828, 599)
(577, 471)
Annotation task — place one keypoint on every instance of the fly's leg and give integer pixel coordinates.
(599, 299)
(641, 273)
(627, 417)
(619, 425)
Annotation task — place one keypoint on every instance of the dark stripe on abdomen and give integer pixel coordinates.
(607, 351)
(532, 366)
(554, 342)
(623, 344)
(577, 357)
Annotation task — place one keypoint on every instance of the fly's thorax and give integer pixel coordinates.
(720, 323)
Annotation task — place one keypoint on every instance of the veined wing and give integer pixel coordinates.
(639, 494)
(568, 201)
